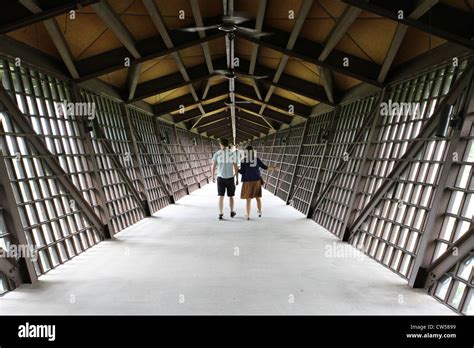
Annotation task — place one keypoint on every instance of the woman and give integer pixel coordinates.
(251, 180)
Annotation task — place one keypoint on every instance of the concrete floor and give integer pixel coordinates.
(184, 261)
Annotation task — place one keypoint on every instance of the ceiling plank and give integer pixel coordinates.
(269, 113)
(214, 125)
(115, 24)
(248, 130)
(152, 48)
(187, 100)
(309, 51)
(205, 46)
(421, 8)
(259, 127)
(12, 8)
(342, 25)
(213, 118)
(442, 20)
(56, 35)
(160, 26)
(169, 82)
(191, 114)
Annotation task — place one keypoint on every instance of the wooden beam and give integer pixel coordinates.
(224, 122)
(262, 5)
(151, 48)
(421, 8)
(309, 51)
(160, 26)
(268, 113)
(56, 35)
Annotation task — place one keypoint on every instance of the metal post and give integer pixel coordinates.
(369, 151)
(281, 163)
(135, 154)
(187, 157)
(324, 160)
(21, 270)
(92, 164)
(163, 161)
(298, 157)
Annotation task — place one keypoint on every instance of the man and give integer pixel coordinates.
(226, 163)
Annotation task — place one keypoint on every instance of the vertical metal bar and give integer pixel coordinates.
(178, 171)
(186, 155)
(135, 154)
(271, 156)
(281, 162)
(369, 152)
(298, 158)
(92, 164)
(25, 272)
(324, 160)
(163, 160)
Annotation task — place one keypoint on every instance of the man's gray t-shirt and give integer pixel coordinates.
(225, 160)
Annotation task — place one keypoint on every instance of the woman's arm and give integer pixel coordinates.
(261, 164)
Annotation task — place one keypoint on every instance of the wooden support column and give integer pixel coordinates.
(298, 158)
(187, 157)
(203, 152)
(364, 168)
(281, 163)
(163, 160)
(92, 164)
(135, 156)
(117, 165)
(324, 160)
(271, 155)
(358, 137)
(21, 270)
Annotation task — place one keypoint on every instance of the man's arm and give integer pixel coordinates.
(236, 171)
(213, 171)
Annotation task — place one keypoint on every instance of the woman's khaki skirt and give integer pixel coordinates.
(251, 189)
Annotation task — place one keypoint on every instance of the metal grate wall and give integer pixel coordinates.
(288, 161)
(312, 153)
(391, 232)
(111, 156)
(151, 160)
(53, 224)
(348, 154)
(335, 204)
(115, 162)
(275, 159)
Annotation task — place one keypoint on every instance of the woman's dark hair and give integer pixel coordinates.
(224, 142)
(250, 155)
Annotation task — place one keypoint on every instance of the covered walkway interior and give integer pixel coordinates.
(182, 260)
